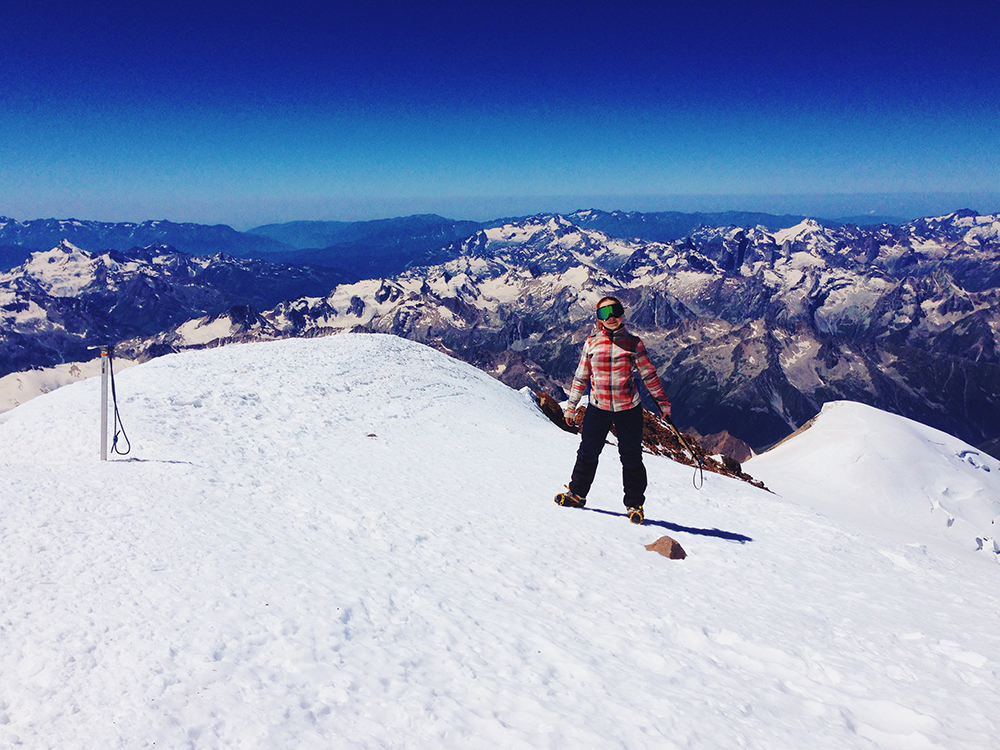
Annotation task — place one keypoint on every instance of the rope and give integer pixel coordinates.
(698, 480)
(118, 419)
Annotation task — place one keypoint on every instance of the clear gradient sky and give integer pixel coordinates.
(248, 112)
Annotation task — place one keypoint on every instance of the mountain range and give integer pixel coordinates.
(62, 302)
(752, 327)
(20, 237)
(361, 249)
(365, 249)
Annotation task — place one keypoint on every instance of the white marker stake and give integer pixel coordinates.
(104, 403)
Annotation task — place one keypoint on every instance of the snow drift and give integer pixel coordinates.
(898, 477)
(351, 542)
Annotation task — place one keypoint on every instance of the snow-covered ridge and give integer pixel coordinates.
(351, 541)
(803, 230)
(66, 270)
(967, 226)
(896, 476)
(20, 387)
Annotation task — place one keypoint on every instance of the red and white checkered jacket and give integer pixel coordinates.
(607, 364)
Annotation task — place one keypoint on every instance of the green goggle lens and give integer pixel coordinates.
(614, 310)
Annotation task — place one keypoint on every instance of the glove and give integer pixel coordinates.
(664, 408)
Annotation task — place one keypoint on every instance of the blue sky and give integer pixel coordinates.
(248, 113)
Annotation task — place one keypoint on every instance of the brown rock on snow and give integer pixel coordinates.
(668, 548)
(550, 407)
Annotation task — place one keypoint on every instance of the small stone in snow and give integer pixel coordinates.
(668, 548)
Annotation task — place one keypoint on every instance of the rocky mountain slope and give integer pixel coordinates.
(62, 301)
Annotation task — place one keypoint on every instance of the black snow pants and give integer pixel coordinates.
(628, 426)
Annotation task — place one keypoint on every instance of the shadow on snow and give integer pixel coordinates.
(729, 536)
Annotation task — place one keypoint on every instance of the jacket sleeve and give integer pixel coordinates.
(581, 379)
(648, 373)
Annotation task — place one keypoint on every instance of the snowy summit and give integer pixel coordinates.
(351, 542)
(895, 476)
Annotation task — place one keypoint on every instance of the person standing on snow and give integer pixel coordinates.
(611, 355)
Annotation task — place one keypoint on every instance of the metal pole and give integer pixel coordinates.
(104, 403)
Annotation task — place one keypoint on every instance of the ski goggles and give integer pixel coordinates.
(614, 310)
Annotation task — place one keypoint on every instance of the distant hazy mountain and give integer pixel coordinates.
(319, 234)
(870, 220)
(367, 249)
(94, 236)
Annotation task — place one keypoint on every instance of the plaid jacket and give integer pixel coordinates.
(606, 366)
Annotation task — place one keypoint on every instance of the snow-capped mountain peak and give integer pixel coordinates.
(961, 226)
(62, 301)
(801, 231)
(63, 271)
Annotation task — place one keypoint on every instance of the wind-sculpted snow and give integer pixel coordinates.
(351, 542)
(902, 478)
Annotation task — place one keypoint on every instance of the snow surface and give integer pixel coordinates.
(19, 387)
(800, 231)
(900, 478)
(205, 330)
(350, 542)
